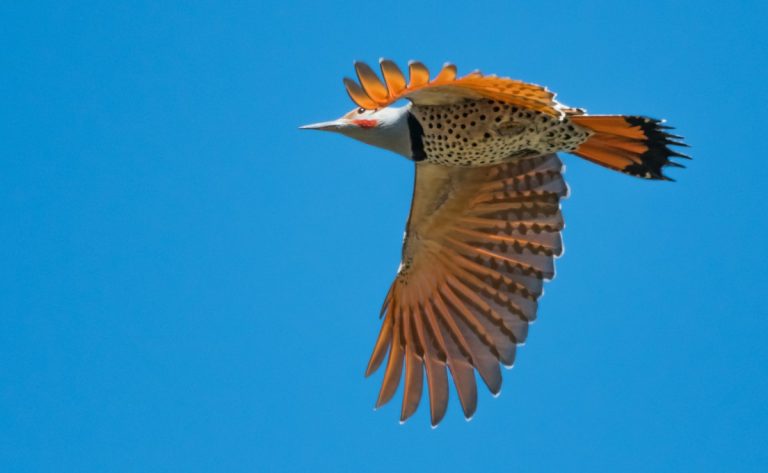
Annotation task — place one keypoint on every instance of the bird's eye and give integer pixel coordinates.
(361, 110)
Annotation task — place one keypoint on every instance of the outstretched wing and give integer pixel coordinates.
(445, 88)
(479, 243)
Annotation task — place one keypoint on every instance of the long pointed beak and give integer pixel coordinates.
(333, 125)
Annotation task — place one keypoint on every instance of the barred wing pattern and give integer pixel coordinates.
(479, 244)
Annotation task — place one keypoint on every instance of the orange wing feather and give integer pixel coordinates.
(478, 245)
(371, 93)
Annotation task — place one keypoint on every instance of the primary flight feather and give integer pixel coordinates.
(485, 221)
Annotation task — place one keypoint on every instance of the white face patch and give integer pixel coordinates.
(386, 128)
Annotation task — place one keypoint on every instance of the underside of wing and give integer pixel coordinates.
(479, 244)
(372, 93)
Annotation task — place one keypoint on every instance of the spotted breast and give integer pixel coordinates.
(485, 132)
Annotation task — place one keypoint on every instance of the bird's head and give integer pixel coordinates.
(385, 128)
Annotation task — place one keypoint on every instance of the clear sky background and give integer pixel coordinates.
(189, 283)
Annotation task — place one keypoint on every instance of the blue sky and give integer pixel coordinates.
(191, 284)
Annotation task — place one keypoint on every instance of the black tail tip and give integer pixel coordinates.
(658, 155)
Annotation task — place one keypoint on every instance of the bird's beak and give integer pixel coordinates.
(334, 125)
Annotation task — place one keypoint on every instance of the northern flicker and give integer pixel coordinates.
(485, 220)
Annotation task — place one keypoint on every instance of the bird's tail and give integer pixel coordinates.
(634, 145)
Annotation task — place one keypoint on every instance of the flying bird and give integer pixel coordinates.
(485, 221)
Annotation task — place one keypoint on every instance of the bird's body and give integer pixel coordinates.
(483, 132)
(485, 221)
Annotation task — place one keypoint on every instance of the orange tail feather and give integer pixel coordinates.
(638, 146)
